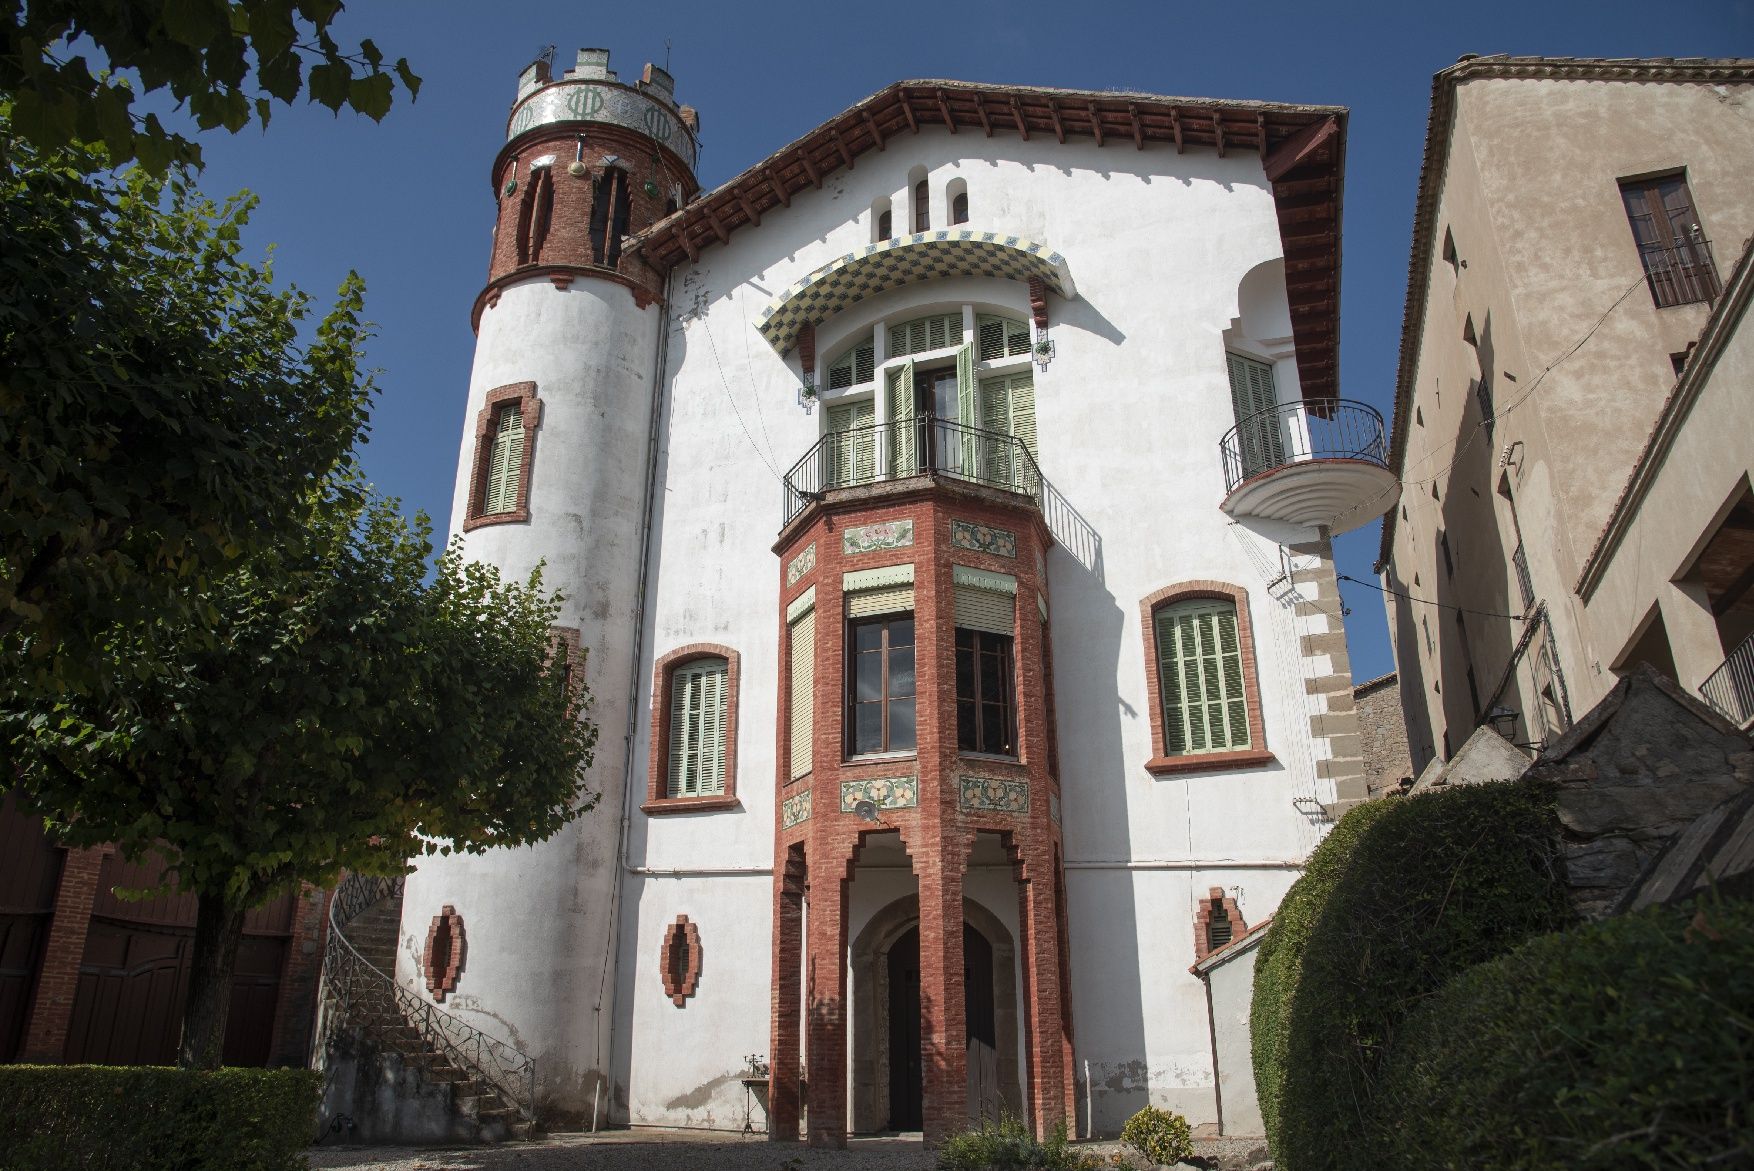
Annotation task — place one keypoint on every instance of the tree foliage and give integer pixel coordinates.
(226, 61)
(349, 716)
(159, 414)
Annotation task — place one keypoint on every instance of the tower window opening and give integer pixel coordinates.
(507, 461)
(609, 212)
(959, 208)
(885, 225)
(922, 207)
(535, 216)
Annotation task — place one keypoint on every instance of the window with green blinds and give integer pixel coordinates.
(850, 456)
(1255, 402)
(506, 463)
(854, 368)
(1000, 337)
(1199, 667)
(803, 698)
(938, 332)
(697, 728)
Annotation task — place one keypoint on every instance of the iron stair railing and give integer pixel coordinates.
(1730, 688)
(357, 988)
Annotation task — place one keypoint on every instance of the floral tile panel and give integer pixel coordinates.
(889, 534)
(884, 793)
(801, 564)
(794, 810)
(968, 534)
(991, 793)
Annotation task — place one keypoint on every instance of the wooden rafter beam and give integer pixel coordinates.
(749, 209)
(1017, 116)
(1261, 135)
(1175, 128)
(980, 108)
(1138, 130)
(944, 111)
(810, 169)
(876, 134)
(1054, 113)
(712, 220)
(688, 245)
(1299, 147)
(1218, 131)
(779, 189)
(1095, 122)
(846, 156)
(907, 111)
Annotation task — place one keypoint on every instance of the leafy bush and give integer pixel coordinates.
(1627, 1043)
(1160, 1135)
(1435, 885)
(1007, 1145)
(1280, 956)
(155, 1118)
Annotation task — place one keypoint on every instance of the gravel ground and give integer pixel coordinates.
(662, 1150)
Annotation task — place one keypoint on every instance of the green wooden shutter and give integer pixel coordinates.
(803, 699)
(697, 729)
(996, 417)
(1199, 660)
(903, 441)
(1023, 411)
(1254, 399)
(851, 458)
(967, 450)
(506, 463)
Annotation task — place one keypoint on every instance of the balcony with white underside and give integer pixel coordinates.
(1309, 462)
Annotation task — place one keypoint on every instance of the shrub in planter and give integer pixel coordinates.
(1435, 884)
(1628, 1043)
(1007, 1145)
(1160, 1135)
(155, 1118)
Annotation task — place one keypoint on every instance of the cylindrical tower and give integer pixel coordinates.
(554, 470)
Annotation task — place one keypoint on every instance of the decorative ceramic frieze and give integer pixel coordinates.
(795, 810)
(883, 792)
(801, 564)
(889, 534)
(991, 793)
(968, 534)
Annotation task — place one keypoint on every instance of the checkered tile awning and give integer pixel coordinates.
(922, 257)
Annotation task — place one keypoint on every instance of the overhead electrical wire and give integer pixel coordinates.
(1428, 601)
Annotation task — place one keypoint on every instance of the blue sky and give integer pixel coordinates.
(406, 202)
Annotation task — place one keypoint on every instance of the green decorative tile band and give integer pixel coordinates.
(967, 534)
(889, 534)
(991, 793)
(984, 579)
(794, 810)
(801, 564)
(884, 793)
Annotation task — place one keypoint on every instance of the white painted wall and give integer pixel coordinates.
(1231, 985)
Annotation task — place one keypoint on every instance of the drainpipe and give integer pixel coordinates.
(660, 357)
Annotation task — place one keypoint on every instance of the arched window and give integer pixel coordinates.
(922, 207)
(882, 221)
(609, 212)
(855, 367)
(1204, 700)
(694, 729)
(959, 208)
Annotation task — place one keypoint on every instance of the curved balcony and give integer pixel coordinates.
(1320, 462)
(922, 446)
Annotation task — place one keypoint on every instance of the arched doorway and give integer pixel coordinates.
(887, 1072)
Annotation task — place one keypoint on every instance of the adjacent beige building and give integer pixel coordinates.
(1572, 431)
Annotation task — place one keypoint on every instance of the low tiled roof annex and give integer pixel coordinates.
(1302, 148)
(1470, 67)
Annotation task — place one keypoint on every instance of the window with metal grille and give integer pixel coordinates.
(1000, 337)
(880, 677)
(854, 368)
(697, 728)
(506, 464)
(940, 331)
(1672, 246)
(1200, 679)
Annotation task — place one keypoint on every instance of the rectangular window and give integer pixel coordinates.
(985, 720)
(1199, 662)
(506, 464)
(803, 698)
(1671, 245)
(880, 679)
(1483, 391)
(697, 729)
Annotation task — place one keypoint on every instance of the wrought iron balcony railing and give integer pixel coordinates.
(1680, 273)
(924, 446)
(1301, 431)
(1524, 583)
(1730, 688)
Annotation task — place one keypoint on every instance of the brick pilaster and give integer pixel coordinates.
(1049, 1089)
(295, 1011)
(825, 968)
(51, 1013)
(943, 1010)
(783, 1098)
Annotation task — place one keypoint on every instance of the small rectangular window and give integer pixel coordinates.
(985, 720)
(880, 683)
(506, 465)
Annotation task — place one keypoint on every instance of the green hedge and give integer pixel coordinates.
(1628, 1043)
(155, 1118)
(1280, 956)
(1433, 885)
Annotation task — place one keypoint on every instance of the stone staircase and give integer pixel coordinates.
(400, 1069)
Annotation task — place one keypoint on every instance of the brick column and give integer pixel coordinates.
(825, 967)
(1048, 1089)
(943, 1011)
(783, 1100)
(296, 1008)
(45, 1037)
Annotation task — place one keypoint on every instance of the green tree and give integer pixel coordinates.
(159, 413)
(350, 715)
(226, 61)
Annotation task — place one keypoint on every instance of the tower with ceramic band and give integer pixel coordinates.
(554, 470)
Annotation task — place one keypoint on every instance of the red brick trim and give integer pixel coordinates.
(51, 1010)
(679, 960)
(1215, 898)
(572, 639)
(530, 408)
(442, 960)
(657, 760)
(1161, 762)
